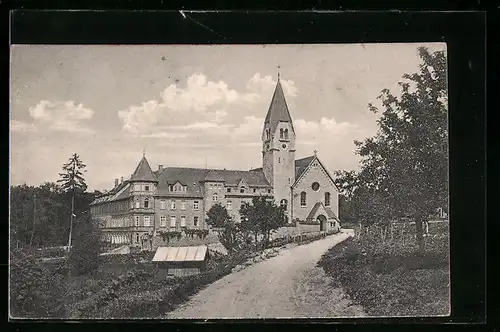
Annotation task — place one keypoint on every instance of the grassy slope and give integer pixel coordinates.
(394, 280)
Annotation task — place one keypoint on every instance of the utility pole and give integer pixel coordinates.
(71, 220)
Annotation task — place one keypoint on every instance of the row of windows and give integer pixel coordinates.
(173, 221)
(145, 187)
(303, 199)
(183, 205)
(177, 188)
(109, 207)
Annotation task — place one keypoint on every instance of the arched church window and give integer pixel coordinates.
(286, 133)
(281, 132)
(146, 203)
(327, 199)
(303, 198)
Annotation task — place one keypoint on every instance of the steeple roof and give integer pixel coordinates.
(143, 172)
(278, 110)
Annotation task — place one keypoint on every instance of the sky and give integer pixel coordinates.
(190, 105)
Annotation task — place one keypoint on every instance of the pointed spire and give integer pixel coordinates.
(143, 171)
(278, 109)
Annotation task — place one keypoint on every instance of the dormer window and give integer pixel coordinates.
(170, 187)
(242, 190)
(146, 188)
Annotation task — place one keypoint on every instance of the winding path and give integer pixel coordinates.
(286, 286)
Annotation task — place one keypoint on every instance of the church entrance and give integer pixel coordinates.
(322, 222)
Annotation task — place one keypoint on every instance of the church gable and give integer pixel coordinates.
(317, 170)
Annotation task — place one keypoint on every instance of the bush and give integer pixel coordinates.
(36, 290)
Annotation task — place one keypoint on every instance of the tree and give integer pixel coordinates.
(228, 232)
(263, 216)
(73, 183)
(84, 257)
(404, 167)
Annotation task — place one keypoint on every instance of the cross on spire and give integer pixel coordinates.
(315, 151)
(279, 73)
(144, 152)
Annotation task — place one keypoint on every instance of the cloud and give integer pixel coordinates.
(326, 127)
(265, 84)
(200, 99)
(20, 126)
(211, 104)
(61, 116)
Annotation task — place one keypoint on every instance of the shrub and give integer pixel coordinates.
(36, 290)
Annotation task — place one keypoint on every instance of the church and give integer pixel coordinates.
(173, 198)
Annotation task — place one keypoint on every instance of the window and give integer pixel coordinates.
(137, 204)
(303, 198)
(137, 221)
(146, 203)
(267, 133)
(284, 203)
(137, 237)
(172, 205)
(281, 132)
(242, 205)
(183, 221)
(163, 204)
(196, 205)
(286, 133)
(268, 191)
(170, 187)
(229, 205)
(163, 221)
(172, 221)
(147, 221)
(195, 221)
(215, 197)
(146, 188)
(315, 186)
(228, 190)
(327, 199)
(137, 187)
(183, 205)
(242, 190)
(279, 160)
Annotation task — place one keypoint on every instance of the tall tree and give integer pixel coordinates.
(73, 183)
(406, 163)
(228, 231)
(262, 217)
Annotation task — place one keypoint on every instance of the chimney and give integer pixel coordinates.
(160, 168)
(121, 179)
(116, 182)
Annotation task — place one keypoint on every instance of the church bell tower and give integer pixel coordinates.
(278, 148)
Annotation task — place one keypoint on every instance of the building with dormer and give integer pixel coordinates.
(172, 198)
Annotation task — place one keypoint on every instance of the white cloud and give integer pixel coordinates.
(265, 85)
(61, 116)
(20, 126)
(200, 99)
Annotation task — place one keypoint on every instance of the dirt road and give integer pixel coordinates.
(286, 286)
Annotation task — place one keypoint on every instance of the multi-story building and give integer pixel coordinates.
(171, 198)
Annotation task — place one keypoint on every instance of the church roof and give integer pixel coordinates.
(278, 109)
(301, 165)
(143, 172)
